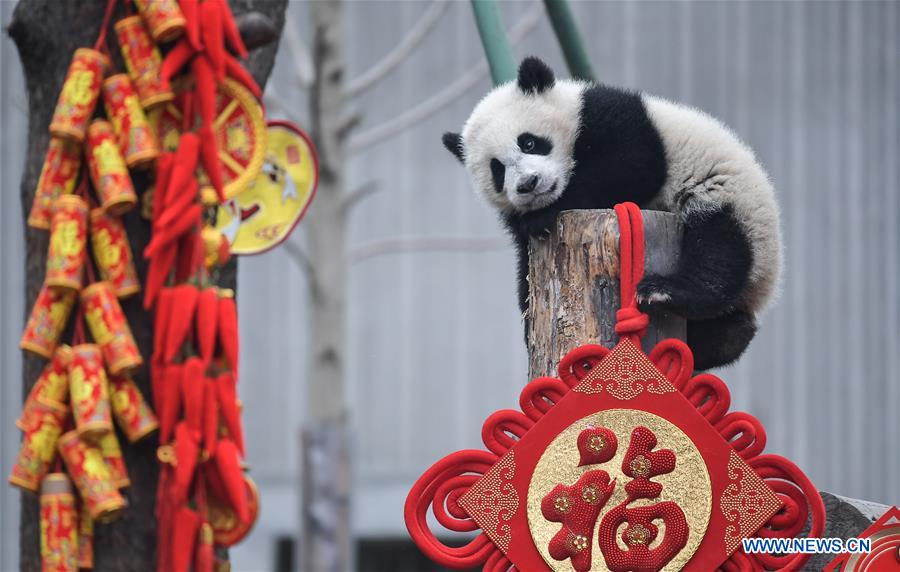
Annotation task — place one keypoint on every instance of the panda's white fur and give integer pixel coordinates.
(706, 159)
(610, 145)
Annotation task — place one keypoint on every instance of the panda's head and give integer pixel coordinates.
(517, 145)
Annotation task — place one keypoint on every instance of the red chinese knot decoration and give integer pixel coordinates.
(624, 462)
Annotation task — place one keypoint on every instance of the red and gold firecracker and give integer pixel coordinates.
(92, 477)
(68, 243)
(136, 139)
(113, 253)
(59, 525)
(58, 177)
(143, 61)
(163, 18)
(79, 94)
(42, 429)
(52, 385)
(131, 411)
(85, 538)
(108, 171)
(109, 328)
(89, 392)
(47, 321)
(112, 454)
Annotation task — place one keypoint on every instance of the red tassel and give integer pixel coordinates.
(227, 390)
(186, 157)
(191, 11)
(207, 323)
(174, 61)
(206, 557)
(161, 318)
(205, 88)
(232, 33)
(210, 416)
(184, 302)
(183, 174)
(165, 165)
(212, 164)
(186, 450)
(229, 467)
(157, 366)
(213, 39)
(157, 271)
(169, 402)
(228, 331)
(184, 535)
(177, 204)
(192, 386)
(187, 256)
(239, 73)
(190, 218)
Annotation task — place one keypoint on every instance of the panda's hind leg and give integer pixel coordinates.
(712, 272)
(720, 341)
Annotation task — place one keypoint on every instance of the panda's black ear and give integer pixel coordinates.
(453, 143)
(535, 76)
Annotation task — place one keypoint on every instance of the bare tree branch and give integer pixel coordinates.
(302, 59)
(348, 122)
(427, 244)
(351, 199)
(298, 255)
(401, 51)
(443, 97)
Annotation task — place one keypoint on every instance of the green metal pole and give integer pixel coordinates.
(493, 38)
(569, 39)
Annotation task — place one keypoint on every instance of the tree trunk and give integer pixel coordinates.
(325, 542)
(46, 33)
(574, 286)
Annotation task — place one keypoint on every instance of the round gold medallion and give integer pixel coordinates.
(239, 126)
(688, 485)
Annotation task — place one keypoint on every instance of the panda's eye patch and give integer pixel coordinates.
(534, 145)
(498, 172)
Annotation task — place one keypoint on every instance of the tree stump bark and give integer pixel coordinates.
(46, 33)
(574, 285)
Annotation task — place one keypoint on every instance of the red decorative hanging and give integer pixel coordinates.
(596, 458)
(884, 553)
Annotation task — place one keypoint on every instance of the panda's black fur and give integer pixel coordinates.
(619, 155)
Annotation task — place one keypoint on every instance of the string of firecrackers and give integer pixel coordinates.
(204, 498)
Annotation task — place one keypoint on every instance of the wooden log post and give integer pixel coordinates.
(574, 286)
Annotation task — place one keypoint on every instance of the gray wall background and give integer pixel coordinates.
(434, 337)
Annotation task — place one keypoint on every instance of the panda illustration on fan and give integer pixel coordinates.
(539, 146)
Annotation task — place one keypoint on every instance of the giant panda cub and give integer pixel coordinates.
(539, 146)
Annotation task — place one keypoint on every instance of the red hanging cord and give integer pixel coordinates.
(100, 44)
(630, 321)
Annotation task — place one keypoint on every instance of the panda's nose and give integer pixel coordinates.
(528, 185)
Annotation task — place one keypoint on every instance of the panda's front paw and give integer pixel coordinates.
(538, 223)
(654, 292)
